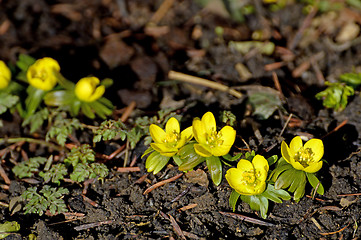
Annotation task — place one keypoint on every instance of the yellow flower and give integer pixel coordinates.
(211, 142)
(5, 75)
(249, 178)
(43, 73)
(88, 90)
(303, 157)
(168, 142)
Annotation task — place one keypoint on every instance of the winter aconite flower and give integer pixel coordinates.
(5, 75)
(88, 89)
(249, 178)
(211, 142)
(43, 74)
(168, 142)
(303, 157)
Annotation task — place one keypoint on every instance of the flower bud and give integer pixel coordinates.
(5, 75)
(43, 73)
(88, 89)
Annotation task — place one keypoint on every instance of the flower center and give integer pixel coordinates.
(304, 156)
(172, 138)
(214, 139)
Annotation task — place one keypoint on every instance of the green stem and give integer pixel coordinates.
(32, 140)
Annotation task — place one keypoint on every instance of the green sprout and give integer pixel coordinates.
(335, 95)
(83, 171)
(82, 154)
(48, 198)
(55, 174)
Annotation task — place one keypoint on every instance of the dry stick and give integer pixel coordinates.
(176, 227)
(162, 10)
(277, 84)
(247, 219)
(203, 82)
(32, 140)
(128, 111)
(4, 175)
(128, 169)
(336, 128)
(284, 127)
(91, 225)
(330, 233)
(159, 184)
(306, 23)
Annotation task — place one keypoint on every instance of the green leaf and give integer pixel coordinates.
(352, 79)
(272, 160)
(8, 227)
(62, 128)
(229, 158)
(315, 183)
(300, 190)
(59, 98)
(146, 152)
(275, 195)
(34, 99)
(24, 62)
(189, 157)
(156, 162)
(233, 199)
(264, 103)
(83, 154)
(29, 167)
(36, 120)
(7, 101)
(278, 170)
(228, 117)
(55, 174)
(215, 169)
(257, 203)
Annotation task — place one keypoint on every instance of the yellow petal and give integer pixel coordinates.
(261, 167)
(228, 135)
(220, 150)
(87, 89)
(209, 122)
(259, 188)
(186, 136)
(295, 145)
(245, 165)
(98, 93)
(163, 149)
(317, 148)
(314, 167)
(172, 126)
(158, 134)
(296, 165)
(201, 150)
(235, 179)
(285, 151)
(5, 75)
(199, 131)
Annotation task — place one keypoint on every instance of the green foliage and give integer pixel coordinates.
(264, 103)
(36, 120)
(62, 128)
(8, 227)
(215, 169)
(29, 167)
(83, 171)
(55, 174)
(7, 101)
(138, 128)
(82, 154)
(335, 95)
(48, 198)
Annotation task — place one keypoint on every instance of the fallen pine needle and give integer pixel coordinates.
(330, 233)
(203, 82)
(91, 225)
(159, 184)
(176, 227)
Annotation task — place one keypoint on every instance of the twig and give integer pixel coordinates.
(176, 227)
(277, 84)
(303, 27)
(91, 202)
(32, 140)
(159, 184)
(284, 127)
(113, 154)
(4, 175)
(91, 225)
(128, 169)
(162, 10)
(128, 111)
(330, 233)
(247, 219)
(190, 206)
(203, 82)
(336, 128)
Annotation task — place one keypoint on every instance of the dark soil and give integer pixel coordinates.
(115, 39)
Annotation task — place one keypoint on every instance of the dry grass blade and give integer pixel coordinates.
(331, 233)
(247, 219)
